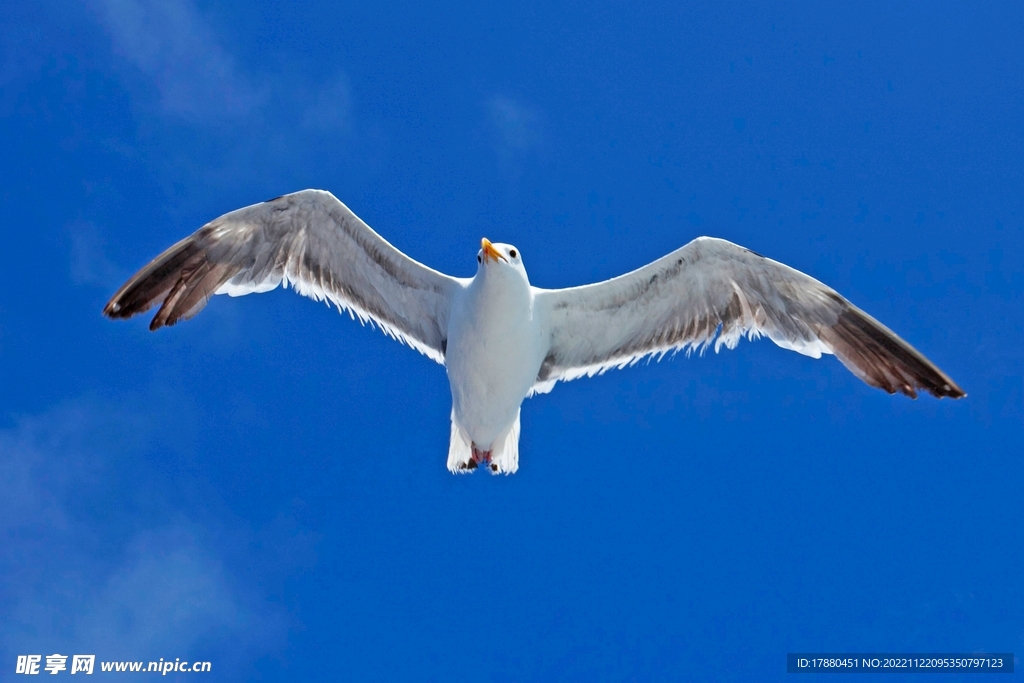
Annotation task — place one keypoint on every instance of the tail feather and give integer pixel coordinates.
(504, 451)
(460, 451)
(505, 454)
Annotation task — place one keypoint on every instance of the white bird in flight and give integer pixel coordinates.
(503, 340)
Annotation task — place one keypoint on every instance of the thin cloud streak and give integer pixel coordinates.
(517, 126)
(128, 585)
(235, 125)
(89, 262)
(174, 45)
(330, 107)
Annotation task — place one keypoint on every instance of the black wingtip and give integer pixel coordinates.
(181, 280)
(884, 360)
(112, 309)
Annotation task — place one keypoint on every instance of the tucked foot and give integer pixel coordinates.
(480, 457)
(484, 457)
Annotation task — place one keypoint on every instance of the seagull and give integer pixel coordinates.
(503, 340)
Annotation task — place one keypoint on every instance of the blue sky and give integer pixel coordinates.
(264, 486)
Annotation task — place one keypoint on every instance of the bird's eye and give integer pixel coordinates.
(512, 253)
(478, 259)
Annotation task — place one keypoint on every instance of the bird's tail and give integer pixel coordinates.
(505, 454)
(460, 451)
(503, 458)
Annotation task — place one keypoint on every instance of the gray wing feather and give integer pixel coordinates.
(713, 291)
(307, 240)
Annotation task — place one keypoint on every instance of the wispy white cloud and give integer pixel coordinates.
(517, 126)
(244, 125)
(175, 46)
(82, 579)
(42, 461)
(199, 81)
(517, 136)
(170, 594)
(89, 262)
(330, 107)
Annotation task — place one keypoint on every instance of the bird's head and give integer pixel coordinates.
(499, 255)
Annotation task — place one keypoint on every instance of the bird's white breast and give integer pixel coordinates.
(495, 349)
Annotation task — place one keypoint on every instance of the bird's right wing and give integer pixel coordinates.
(713, 288)
(310, 241)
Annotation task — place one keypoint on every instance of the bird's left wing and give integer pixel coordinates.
(310, 241)
(714, 290)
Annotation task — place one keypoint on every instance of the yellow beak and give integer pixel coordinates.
(490, 252)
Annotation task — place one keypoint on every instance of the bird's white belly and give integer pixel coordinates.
(493, 357)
